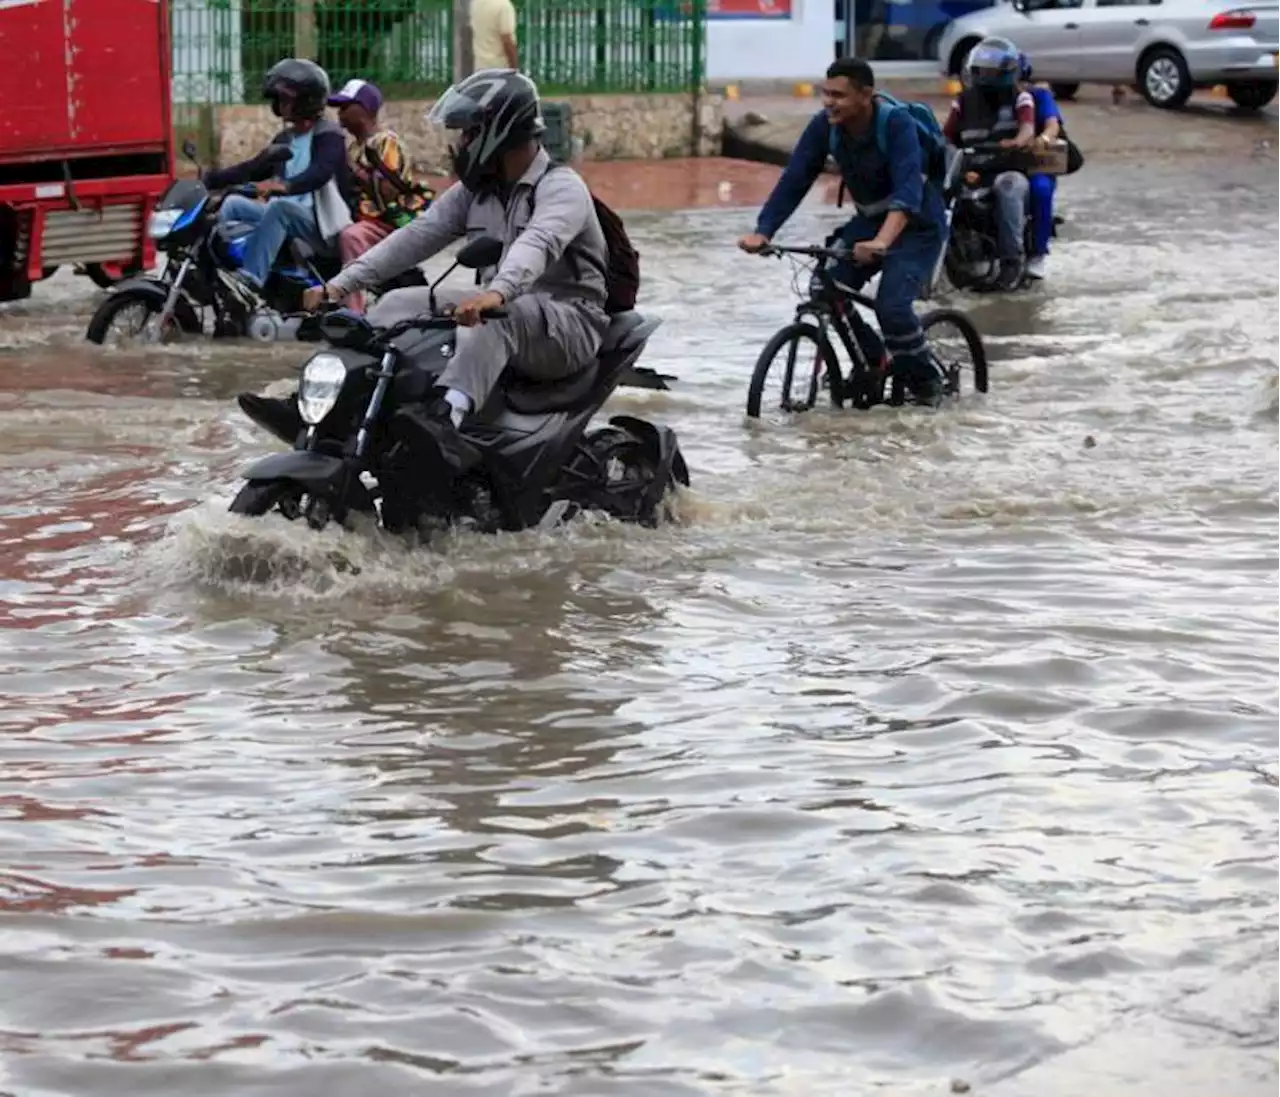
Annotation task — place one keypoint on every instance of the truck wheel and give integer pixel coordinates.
(106, 275)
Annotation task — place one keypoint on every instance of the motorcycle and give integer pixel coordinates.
(533, 461)
(202, 253)
(971, 258)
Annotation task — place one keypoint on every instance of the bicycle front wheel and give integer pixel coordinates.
(801, 359)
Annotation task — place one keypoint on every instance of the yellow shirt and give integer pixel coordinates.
(490, 20)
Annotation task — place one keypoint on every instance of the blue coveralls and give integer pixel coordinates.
(877, 184)
(1043, 187)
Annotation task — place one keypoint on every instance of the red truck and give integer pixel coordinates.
(86, 144)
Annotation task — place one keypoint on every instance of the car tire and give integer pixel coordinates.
(1252, 94)
(955, 63)
(1064, 92)
(1163, 78)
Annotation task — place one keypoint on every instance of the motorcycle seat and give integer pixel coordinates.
(621, 325)
(530, 397)
(626, 331)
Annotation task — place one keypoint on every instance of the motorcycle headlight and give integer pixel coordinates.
(318, 390)
(161, 223)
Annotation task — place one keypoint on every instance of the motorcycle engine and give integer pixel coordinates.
(263, 326)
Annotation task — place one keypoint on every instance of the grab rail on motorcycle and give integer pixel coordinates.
(341, 327)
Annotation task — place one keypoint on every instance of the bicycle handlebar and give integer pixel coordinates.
(812, 252)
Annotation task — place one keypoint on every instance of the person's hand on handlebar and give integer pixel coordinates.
(468, 312)
(869, 251)
(315, 296)
(754, 243)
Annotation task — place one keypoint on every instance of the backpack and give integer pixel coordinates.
(622, 264)
(933, 146)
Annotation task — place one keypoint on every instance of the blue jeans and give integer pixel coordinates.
(1011, 190)
(905, 272)
(1042, 191)
(274, 223)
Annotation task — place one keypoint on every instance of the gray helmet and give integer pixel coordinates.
(305, 81)
(492, 110)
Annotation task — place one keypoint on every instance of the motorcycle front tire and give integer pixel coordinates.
(184, 315)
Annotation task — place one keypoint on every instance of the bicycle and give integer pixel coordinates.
(826, 307)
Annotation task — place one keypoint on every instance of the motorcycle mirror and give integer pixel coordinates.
(190, 151)
(344, 328)
(483, 251)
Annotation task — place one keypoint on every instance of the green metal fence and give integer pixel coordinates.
(221, 48)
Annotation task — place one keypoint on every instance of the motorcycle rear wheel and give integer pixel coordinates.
(613, 470)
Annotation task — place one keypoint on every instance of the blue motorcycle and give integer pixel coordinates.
(198, 286)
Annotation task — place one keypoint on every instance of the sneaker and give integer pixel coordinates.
(1035, 267)
(1010, 276)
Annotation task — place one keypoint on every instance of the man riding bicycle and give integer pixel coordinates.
(898, 229)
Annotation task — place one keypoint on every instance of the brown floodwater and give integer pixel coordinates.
(925, 746)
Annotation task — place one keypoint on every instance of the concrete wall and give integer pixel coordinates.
(799, 48)
(611, 127)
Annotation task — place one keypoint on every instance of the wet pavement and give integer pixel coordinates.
(926, 746)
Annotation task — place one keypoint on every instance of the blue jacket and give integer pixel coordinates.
(870, 176)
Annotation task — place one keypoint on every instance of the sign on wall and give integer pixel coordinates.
(748, 9)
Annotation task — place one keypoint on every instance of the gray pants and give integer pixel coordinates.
(541, 337)
(1013, 193)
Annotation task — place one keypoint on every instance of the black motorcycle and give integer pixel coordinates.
(971, 258)
(202, 254)
(535, 462)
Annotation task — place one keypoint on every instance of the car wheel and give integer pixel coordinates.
(1253, 95)
(1163, 78)
(1064, 92)
(956, 63)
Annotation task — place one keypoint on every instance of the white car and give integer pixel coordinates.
(1164, 48)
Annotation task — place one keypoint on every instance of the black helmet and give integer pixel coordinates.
(993, 63)
(493, 110)
(305, 81)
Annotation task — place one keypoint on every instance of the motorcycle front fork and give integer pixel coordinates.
(171, 302)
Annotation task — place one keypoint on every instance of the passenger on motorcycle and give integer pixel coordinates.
(387, 195)
(898, 229)
(992, 108)
(310, 194)
(1043, 187)
(551, 279)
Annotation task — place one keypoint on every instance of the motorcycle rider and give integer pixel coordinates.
(551, 280)
(898, 229)
(1043, 187)
(310, 195)
(992, 108)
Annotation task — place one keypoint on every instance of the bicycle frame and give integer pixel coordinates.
(829, 305)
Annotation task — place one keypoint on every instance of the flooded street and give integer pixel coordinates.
(927, 746)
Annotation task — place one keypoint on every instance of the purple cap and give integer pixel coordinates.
(358, 91)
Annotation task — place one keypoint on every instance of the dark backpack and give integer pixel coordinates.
(933, 146)
(622, 267)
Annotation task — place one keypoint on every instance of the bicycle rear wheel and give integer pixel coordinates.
(956, 344)
(805, 359)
